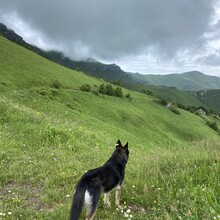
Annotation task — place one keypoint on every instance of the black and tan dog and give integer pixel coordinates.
(104, 178)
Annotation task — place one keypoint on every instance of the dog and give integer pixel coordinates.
(102, 179)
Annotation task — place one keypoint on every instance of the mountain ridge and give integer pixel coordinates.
(191, 81)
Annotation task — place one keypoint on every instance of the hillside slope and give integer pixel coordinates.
(210, 98)
(21, 71)
(51, 132)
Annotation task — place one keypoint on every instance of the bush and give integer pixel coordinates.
(147, 92)
(110, 90)
(85, 88)
(118, 92)
(117, 82)
(128, 96)
(213, 125)
(180, 105)
(56, 84)
(102, 89)
(174, 110)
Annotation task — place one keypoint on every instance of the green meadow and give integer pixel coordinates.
(51, 132)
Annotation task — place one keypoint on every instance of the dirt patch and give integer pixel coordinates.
(24, 195)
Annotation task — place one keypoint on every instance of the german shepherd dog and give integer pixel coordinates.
(104, 178)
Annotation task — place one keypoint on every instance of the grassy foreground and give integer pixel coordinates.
(50, 136)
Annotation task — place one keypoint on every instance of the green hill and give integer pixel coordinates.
(51, 132)
(186, 98)
(193, 81)
(210, 98)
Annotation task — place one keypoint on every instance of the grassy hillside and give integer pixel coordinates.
(51, 133)
(210, 98)
(169, 93)
(193, 81)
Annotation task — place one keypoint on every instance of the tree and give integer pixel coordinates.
(102, 89)
(110, 90)
(85, 88)
(128, 96)
(119, 92)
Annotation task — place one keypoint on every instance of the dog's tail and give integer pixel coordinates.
(78, 200)
(79, 193)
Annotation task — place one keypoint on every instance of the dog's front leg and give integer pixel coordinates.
(117, 195)
(107, 203)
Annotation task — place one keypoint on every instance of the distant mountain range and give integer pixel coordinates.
(190, 81)
(194, 83)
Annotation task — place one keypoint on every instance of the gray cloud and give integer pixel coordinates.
(113, 29)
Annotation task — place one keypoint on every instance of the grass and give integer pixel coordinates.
(49, 136)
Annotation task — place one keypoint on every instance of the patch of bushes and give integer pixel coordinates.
(105, 90)
(147, 92)
(102, 89)
(56, 84)
(85, 88)
(118, 92)
(45, 91)
(174, 110)
(213, 125)
(110, 90)
(128, 96)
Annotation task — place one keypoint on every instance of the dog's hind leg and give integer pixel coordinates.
(107, 203)
(117, 195)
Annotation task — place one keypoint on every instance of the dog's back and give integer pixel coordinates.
(104, 178)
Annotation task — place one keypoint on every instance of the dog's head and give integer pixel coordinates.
(122, 151)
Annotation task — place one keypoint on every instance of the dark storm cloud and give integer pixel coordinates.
(116, 28)
(155, 34)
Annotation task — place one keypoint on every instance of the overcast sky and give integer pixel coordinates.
(146, 36)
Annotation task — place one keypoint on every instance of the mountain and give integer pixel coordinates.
(191, 81)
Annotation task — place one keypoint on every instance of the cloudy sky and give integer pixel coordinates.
(146, 36)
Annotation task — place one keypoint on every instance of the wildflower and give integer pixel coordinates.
(9, 213)
(128, 210)
(126, 215)
(67, 196)
(133, 186)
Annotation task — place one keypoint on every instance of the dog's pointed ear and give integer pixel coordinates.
(118, 143)
(126, 145)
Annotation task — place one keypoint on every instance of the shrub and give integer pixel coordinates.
(118, 92)
(110, 90)
(147, 92)
(117, 82)
(180, 105)
(213, 125)
(163, 101)
(56, 84)
(128, 96)
(85, 88)
(102, 89)
(174, 110)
